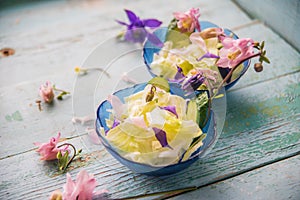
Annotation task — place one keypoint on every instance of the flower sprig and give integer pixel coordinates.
(52, 151)
(83, 71)
(47, 93)
(63, 158)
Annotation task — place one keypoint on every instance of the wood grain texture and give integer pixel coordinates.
(55, 36)
(278, 181)
(282, 16)
(52, 37)
(244, 145)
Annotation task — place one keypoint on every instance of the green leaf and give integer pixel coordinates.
(262, 45)
(160, 82)
(58, 155)
(63, 161)
(265, 59)
(202, 107)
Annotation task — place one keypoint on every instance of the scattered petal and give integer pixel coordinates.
(128, 79)
(93, 136)
(171, 109)
(161, 137)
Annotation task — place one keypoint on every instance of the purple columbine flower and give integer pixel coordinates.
(194, 82)
(136, 30)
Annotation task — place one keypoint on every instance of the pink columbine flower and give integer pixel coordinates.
(48, 151)
(46, 92)
(235, 51)
(188, 21)
(82, 188)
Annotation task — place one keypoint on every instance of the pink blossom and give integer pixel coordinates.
(48, 151)
(188, 21)
(46, 92)
(235, 51)
(82, 188)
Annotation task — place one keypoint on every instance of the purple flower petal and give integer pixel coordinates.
(136, 35)
(122, 23)
(208, 55)
(194, 82)
(131, 16)
(171, 109)
(179, 74)
(155, 40)
(152, 23)
(161, 136)
(116, 123)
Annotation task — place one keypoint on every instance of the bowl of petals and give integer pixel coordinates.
(158, 127)
(189, 45)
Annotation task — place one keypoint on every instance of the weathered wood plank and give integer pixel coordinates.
(53, 37)
(246, 143)
(280, 180)
(281, 16)
(285, 60)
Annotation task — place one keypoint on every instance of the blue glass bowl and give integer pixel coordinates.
(103, 114)
(150, 49)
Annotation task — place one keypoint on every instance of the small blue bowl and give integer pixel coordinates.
(150, 49)
(103, 114)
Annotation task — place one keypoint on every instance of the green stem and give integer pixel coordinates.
(231, 72)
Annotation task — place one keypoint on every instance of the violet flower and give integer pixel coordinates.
(47, 92)
(48, 151)
(136, 29)
(188, 21)
(82, 188)
(194, 82)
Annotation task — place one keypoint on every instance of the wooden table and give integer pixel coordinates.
(256, 156)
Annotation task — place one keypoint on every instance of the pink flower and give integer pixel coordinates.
(188, 21)
(49, 150)
(82, 188)
(46, 92)
(235, 51)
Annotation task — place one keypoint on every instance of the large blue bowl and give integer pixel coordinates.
(150, 49)
(103, 114)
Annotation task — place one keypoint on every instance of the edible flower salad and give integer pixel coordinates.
(154, 126)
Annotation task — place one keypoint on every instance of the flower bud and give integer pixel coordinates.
(46, 92)
(56, 195)
(258, 67)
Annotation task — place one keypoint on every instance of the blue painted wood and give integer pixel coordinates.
(282, 16)
(52, 37)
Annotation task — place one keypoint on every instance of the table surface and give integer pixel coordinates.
(255, 157)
